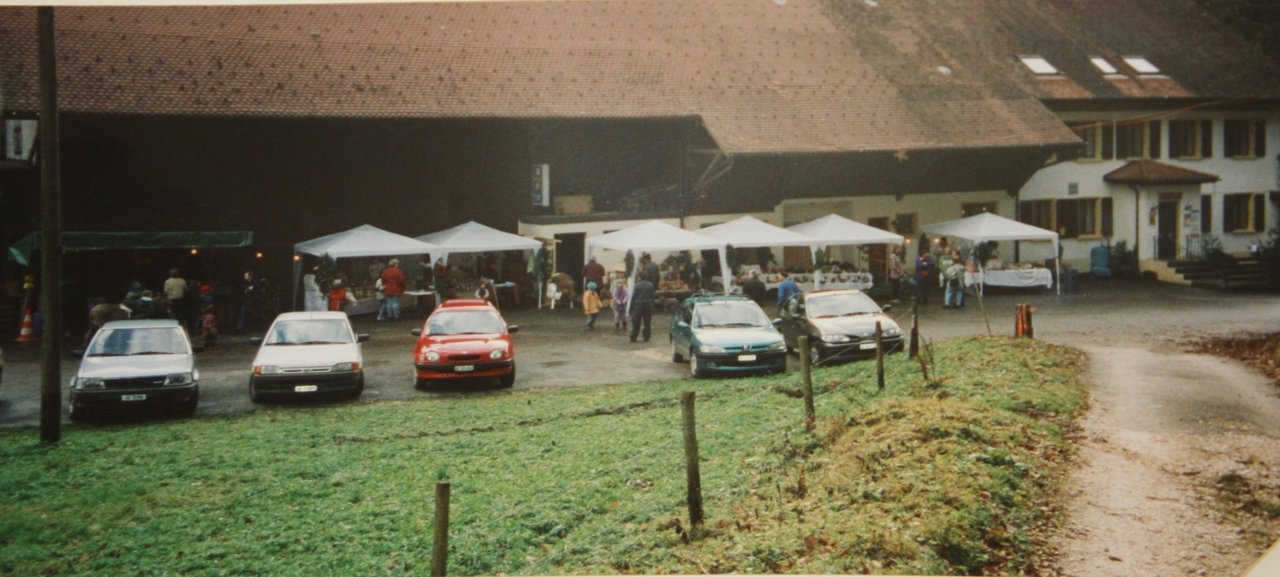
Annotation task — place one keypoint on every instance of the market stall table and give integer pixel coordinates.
(1022, 277)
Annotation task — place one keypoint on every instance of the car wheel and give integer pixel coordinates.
(355, 394)
(421, 384)
(254, 395)
(508, 380)
(189, 408)
(815, 355)
(676, 357)
(79, 415)
(696, 367)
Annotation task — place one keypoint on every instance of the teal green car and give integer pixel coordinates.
(726, 334)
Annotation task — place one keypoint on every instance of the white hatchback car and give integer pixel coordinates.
(308, 353)
(137, 363)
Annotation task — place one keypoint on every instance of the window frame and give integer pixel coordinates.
(1200, 132)
(1250, 214)
(1093, 224)
(1254, 134)
(1148, 136)
(1037, 213)
(1092, 132)
(913, 218)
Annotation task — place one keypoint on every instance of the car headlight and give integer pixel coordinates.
(497, 353)
(835, 338)
(83, 384)
(778, 346)
(711, 348)
(891, 332)
(178, 379)
(266, 370)
(346, 367)
(431, 356)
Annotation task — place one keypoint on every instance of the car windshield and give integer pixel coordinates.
(840, 305)
(729, 314)
(310, 332)
(465, 322)
(139, 341)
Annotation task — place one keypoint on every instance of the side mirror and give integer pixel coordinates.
(886, 308)
(513, 329)
(77, 353)
(362, 338)
(682, 325)
(255, 340)
(777, 322)
(416, 332)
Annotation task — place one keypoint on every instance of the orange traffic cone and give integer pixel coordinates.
(28, 333)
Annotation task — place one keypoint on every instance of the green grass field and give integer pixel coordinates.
(953, 476)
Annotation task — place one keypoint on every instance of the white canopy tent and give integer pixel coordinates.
(990, 227)
(658, 236)
(362, 241)
(834, 229)
(475, 237)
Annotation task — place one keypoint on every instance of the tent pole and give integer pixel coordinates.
(297, 277)
(1057, 268)
(725, 273)
(817, 272)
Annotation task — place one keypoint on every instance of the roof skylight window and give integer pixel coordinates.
(1141, 64)
(1038, 64)
(1102, 65)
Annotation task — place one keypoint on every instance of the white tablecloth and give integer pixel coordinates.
(1014, 278)
(848, 280)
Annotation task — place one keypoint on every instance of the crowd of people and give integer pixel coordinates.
(192, 303)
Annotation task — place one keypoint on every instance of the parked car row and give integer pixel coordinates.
(152, 364)
(732, 335)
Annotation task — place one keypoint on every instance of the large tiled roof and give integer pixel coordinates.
(764, 77)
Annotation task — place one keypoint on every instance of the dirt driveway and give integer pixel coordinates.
(1164, 427)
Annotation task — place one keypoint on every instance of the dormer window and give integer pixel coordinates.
(1038, 64)
(1102, 65)
(1141, 65)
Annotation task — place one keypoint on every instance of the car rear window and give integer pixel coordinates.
(448, 322)
(731, 314)
(842, 304)
(148, 341)
(310, 332)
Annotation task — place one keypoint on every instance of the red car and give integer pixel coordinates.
(465, 339)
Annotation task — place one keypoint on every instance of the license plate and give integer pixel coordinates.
(464, 368)
(304, 389)
(867, 346)
(133, 397)
(746, 358)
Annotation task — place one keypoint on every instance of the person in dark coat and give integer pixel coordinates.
(642, 308)
(754, 288)
(592, 272)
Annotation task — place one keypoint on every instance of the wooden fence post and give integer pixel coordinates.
(879, 357)
(806, 371)
(692, 474)
(440, 549)
(914, 349)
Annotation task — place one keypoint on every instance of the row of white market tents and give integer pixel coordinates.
(371, 241)
(657, 236)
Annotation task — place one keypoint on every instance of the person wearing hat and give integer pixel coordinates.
(393, 282)
(591, 304)
(175, 293)
(338, 296)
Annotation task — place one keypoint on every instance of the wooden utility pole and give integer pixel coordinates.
(440, 547)
(693, 475)
(806, 370)
(914, 348)
(51, 234)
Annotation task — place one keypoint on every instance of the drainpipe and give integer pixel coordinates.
(1137, 222)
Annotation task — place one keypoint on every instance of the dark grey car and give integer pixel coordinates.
(840, 324)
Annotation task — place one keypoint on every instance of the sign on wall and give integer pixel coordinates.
(19, 138)
(542, 185)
